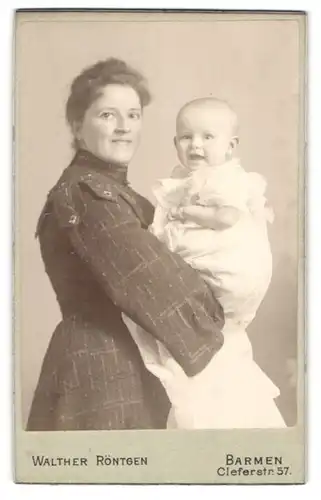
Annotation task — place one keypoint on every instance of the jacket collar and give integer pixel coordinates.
(85, 159)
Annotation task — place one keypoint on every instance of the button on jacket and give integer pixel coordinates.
(102, 261)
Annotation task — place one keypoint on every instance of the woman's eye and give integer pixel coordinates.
(105, 115)
(135, 116)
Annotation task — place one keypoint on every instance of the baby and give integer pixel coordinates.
(212, 213)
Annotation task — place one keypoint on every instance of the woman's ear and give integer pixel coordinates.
(76, 130)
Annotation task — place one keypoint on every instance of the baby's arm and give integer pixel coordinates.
(211, 217)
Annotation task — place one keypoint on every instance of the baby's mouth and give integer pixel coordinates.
(196, 156)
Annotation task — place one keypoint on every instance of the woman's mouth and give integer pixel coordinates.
(122, 141)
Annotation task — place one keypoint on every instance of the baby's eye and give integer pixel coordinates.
(208, 137)
(185, 137)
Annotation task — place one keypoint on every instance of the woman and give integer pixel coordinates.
(102, 261)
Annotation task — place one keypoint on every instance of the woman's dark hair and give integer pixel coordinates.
(86, 86)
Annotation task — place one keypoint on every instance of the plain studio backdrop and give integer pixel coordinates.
(252, 64)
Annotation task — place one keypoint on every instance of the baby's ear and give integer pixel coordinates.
(175, 141)
(234, 142)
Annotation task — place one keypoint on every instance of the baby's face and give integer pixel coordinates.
(204, 136)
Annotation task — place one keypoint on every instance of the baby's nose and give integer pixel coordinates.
(196, 142)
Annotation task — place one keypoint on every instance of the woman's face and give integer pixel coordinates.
(112, 124)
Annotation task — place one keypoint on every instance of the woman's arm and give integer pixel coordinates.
(153, 286)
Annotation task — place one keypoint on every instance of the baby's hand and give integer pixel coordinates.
(176, 213)
(211, 217)
(201, 215)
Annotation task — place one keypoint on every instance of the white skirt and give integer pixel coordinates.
(232, 392)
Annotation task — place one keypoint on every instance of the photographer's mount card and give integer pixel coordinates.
(159, 169)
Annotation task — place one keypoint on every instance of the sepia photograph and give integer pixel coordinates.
(159, 186)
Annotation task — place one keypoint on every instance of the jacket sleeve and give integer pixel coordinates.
(151, 285)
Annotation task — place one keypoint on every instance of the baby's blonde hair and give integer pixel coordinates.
(215, 103)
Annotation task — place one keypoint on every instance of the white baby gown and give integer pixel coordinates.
(232, 391)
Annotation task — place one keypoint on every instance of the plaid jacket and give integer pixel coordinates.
(102, 261)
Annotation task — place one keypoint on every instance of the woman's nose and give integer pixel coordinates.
(122, 125)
